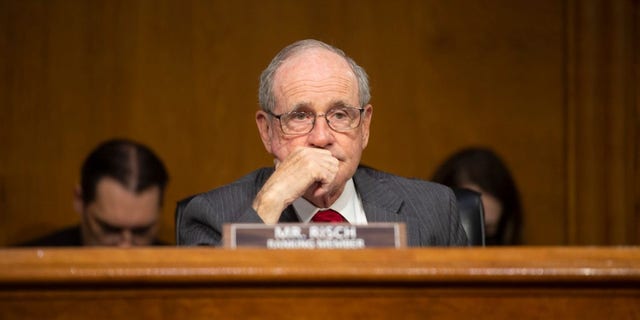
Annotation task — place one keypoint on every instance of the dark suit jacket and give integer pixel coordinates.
(67, 237)
(428, 209)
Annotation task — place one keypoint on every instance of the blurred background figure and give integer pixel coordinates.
(481, 170)
(119, 198)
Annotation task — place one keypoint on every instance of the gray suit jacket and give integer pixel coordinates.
(428, 209)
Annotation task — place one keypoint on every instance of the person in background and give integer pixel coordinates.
(314, 121)
(119, 198)
(481, 170)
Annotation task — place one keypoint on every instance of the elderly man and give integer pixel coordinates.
(315, 121)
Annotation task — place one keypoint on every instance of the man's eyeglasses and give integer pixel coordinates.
(302, 122)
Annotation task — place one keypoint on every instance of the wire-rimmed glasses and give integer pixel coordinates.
(299, 122)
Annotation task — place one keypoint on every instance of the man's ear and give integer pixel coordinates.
(366, 124)
(264, 126)
(78, 204)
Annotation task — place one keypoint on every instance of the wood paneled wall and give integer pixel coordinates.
(602, 122)
(550, 85)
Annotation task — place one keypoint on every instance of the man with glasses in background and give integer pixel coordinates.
(119, 199)
(314, 119)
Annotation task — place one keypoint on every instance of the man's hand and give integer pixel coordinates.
(303, 169)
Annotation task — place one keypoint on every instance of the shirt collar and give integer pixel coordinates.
(346, 205)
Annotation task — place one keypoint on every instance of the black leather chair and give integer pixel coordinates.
(471, 215)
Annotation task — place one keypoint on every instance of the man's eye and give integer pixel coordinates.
(339, 115)
(140, 231)
(298, 116)
(110, 229)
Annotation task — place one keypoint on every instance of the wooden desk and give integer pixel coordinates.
(194, 283)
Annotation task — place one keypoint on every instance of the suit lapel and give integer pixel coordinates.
(381, 203)
(289, 215)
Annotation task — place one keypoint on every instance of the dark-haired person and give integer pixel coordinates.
(314, 120)
(481, 170)
(119, 198)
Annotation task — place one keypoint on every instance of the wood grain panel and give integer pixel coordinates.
(506, 283)
(602, 122)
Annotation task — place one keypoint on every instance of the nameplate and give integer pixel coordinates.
(315, 236)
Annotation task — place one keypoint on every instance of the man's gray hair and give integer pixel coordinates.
(266, 96)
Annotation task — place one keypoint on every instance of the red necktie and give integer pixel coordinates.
(328, 216)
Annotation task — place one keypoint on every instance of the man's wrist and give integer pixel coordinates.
(268, 208)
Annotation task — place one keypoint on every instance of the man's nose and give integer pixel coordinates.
(321, 135)
(126, 239)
